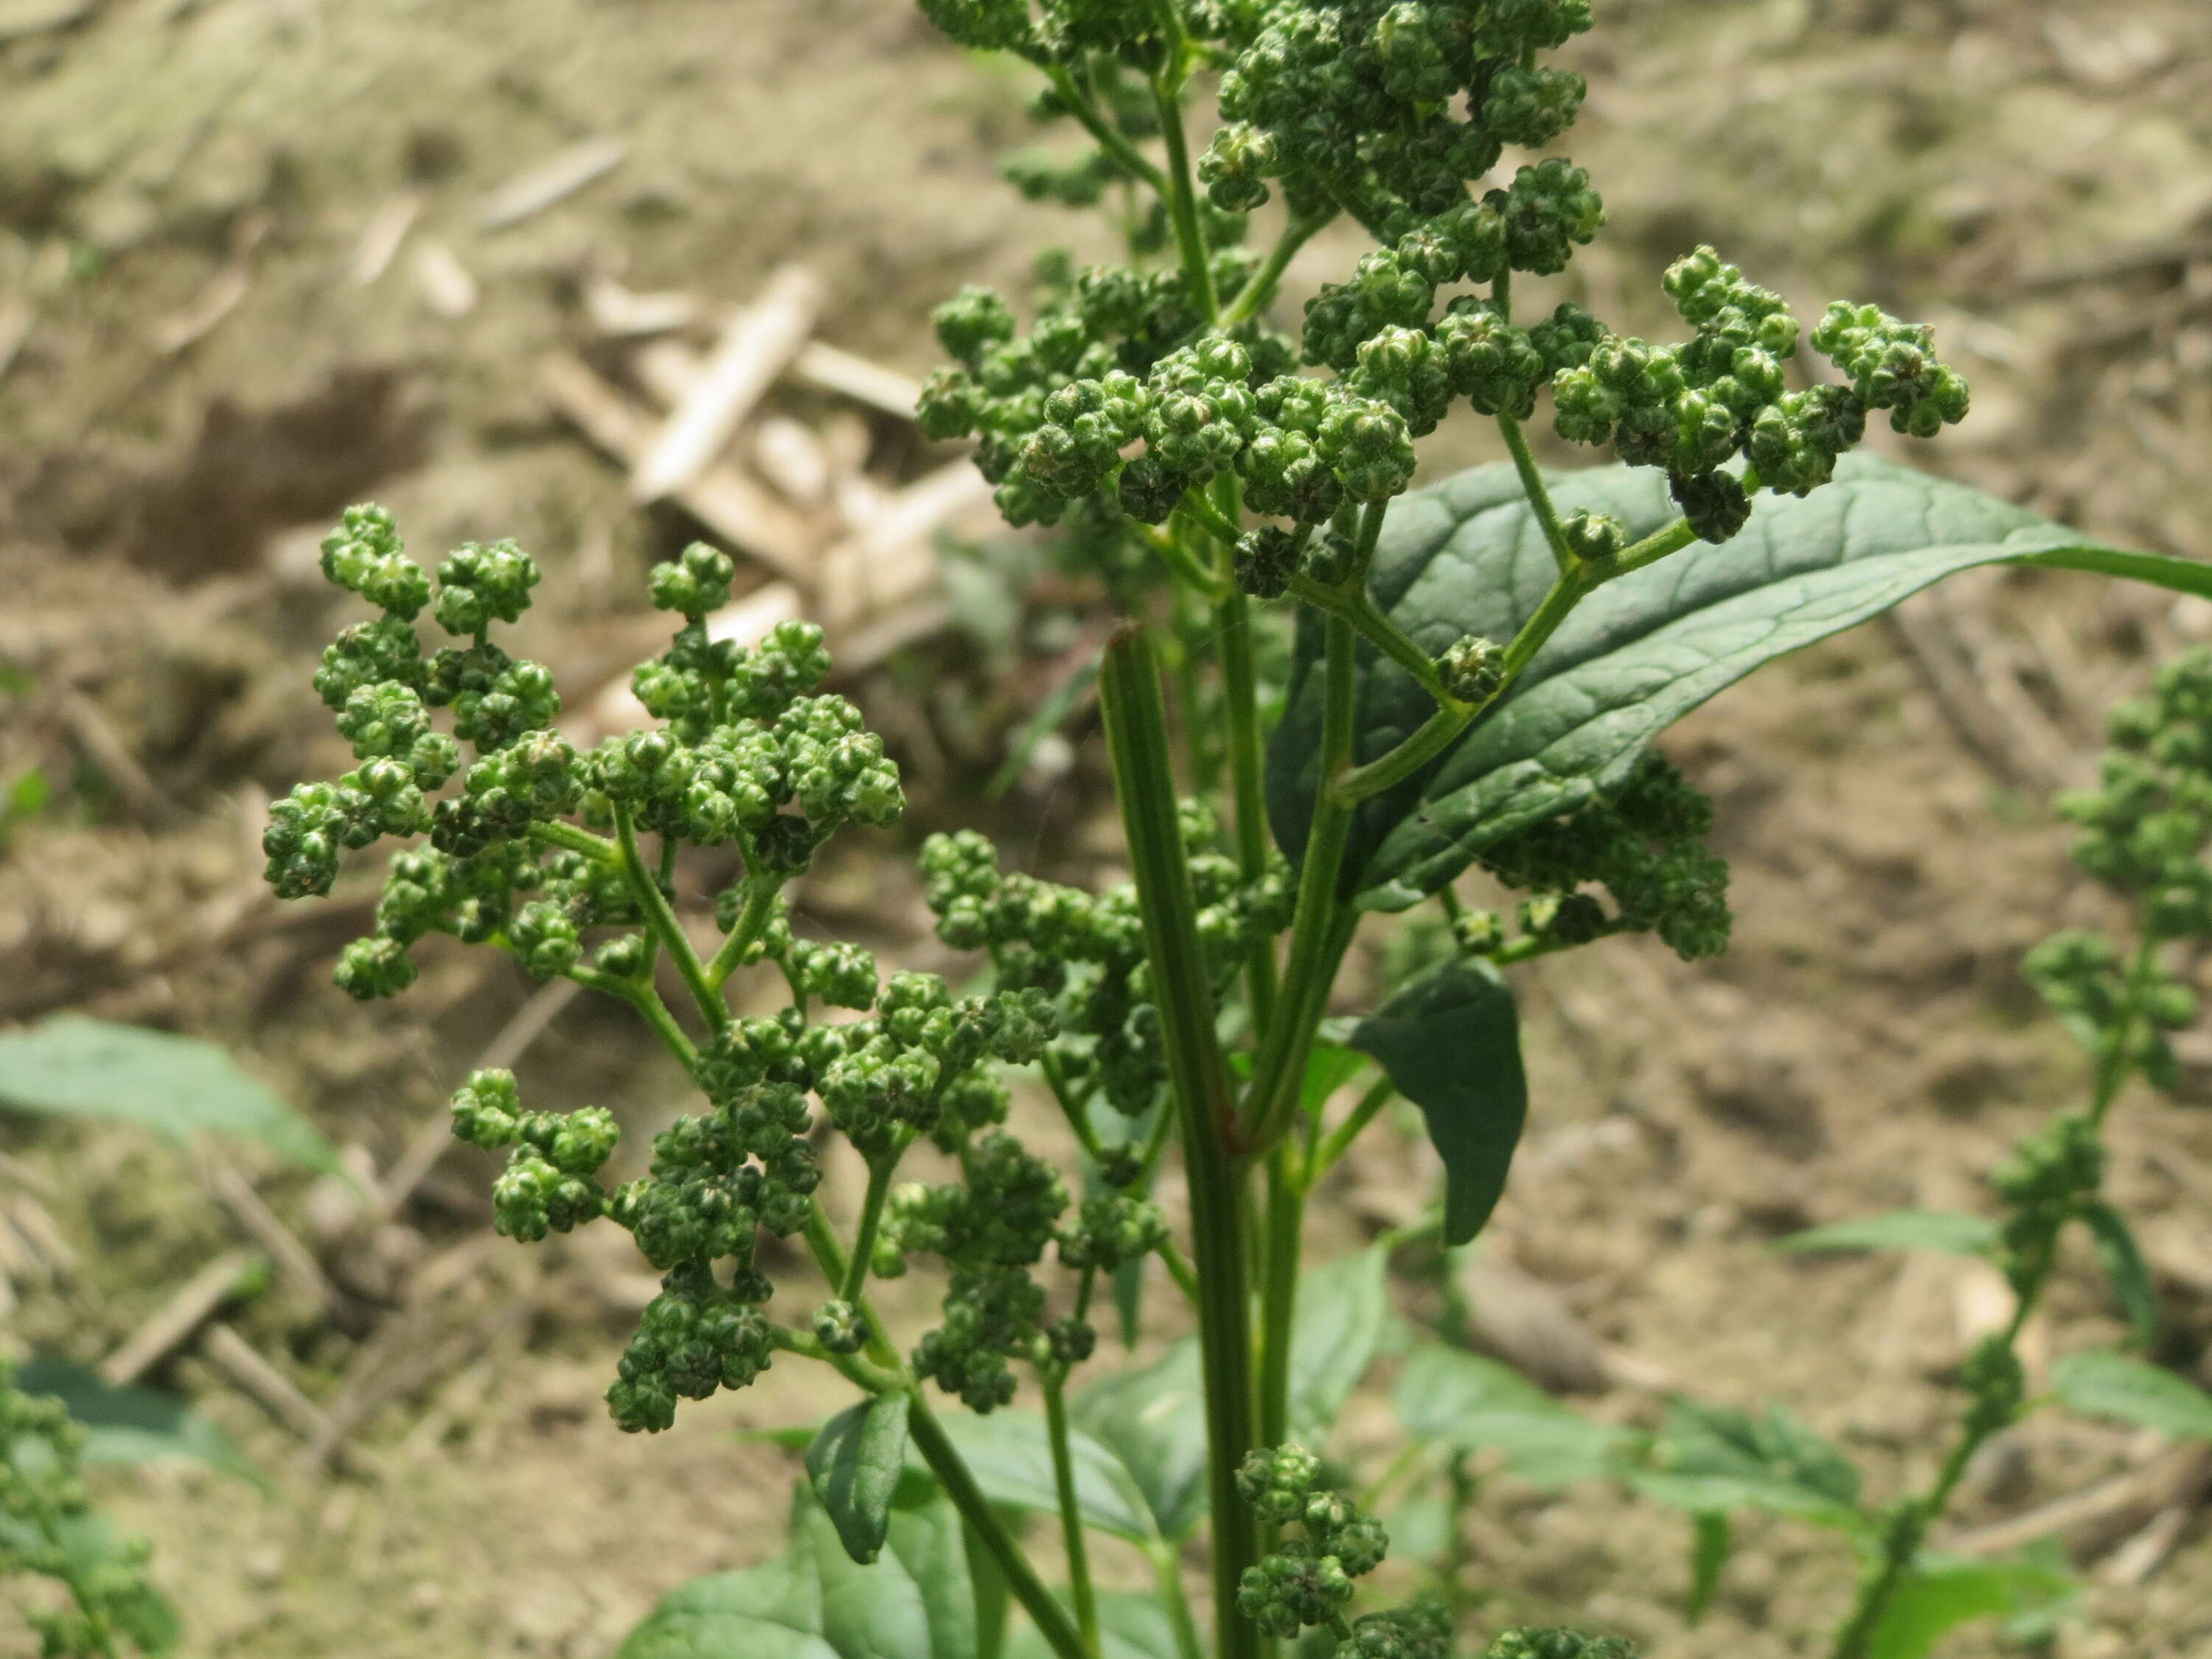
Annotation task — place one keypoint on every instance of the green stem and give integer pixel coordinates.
(661, 921)
(1279, 1299)
(1232, 618)
(1085, 110)
(1183, 201)
(1167, 1574)
(1181, 561)
(1319, 928)
(1071, 1516)
(1368, 619)
(1052, 1621)
(556, 832)
(1260, 288)
(760, 905)
(646, 1000)
(1198, 1076)
(1340, 1142)
(1212, 520)
(1539, 496)
(1443, 727)
(855, 1282)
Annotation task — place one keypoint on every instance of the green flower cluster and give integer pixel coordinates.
(1645, 846)
(747, 756)
(1304, 1581)
(1690, 409)
(2043, 1185)
(1086, 953)
(48, 1529)
(2150, 818)
(1556, 1643)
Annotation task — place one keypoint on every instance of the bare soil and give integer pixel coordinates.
(2036, 178)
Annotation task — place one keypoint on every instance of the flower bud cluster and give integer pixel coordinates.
(748, 756)
(991, 1229)
(2150, 816)
(2043, 1184)
(1645, 847)
(1087, 952)
(1304, 1581)
(1692, 408)
(1419, 1629)
(48, 1530)
(1556, 1643)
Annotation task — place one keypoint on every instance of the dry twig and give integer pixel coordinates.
(192, 1306)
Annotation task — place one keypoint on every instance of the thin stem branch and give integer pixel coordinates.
(1182, 200)
(752, 919)
(1084, 108)
(1339, 1141)
(1259, 287)
(1538, 495)
(1232, 618)
(1181, 562)
(661, 921)
(1070, 1514)
(928, 1436)
(1167, 1574)
(854, 1285)
(1368, 619)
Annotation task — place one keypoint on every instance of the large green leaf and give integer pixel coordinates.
(177, 1086)
(1467, 557)
(133, 1424)
(854, 1463)
(1129, 1627)
(2113, 1385)
(1709, 1459)
(1947, 1232)
(1009, 1454)
(813, 1603)
(1940, 1593)
(1448, 1397)
(1154, 1420)
(1451, 1043)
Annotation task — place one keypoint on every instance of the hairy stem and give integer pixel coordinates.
(1071, 1516)
(1198, 1076)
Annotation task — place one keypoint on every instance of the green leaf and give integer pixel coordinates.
(1710, 1540)
(1446, 1396)
(2125, 1267)
(177, 1086)
(1342, 1309)
(1709, 1459)
(1946, 1231)
(1940, 1593)
(1009, 1454)
(1129, 1627)
(1154, 1420)
(1329, 1067)
(1452, 1045)
(1466, 557)
(813, 1603)
(2114, 1385)
(855, 1464)
(133, 1424)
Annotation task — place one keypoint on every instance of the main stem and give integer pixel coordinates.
(1197, 1078)
(1278, 1297)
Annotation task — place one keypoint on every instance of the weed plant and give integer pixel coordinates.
(1476, 672)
